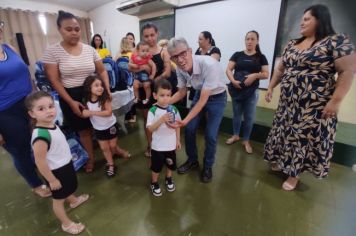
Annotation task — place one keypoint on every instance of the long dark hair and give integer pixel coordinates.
(207, 35)
(133, 36)
(149, 25)
(87, 91)
(258, 50)
(93, 43)
(324, 27)
(63, 15)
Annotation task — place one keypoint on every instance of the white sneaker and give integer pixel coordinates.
(170, 186)
(156, 190)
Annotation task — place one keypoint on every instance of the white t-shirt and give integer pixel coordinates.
(163, 138)
(58, 153)
(73, 69)
(100, 122)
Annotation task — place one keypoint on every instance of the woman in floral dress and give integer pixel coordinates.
(303, 130)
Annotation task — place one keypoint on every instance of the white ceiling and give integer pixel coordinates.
(84, 5)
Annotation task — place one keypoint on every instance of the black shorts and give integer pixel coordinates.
(159, 158)
(68, 178)
(106, 134)
(70, 119)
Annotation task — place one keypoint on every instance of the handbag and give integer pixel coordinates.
(245, 91)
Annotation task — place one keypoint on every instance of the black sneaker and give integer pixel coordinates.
(187, 166)
(170, 186)
(156, 190)
(206, 175)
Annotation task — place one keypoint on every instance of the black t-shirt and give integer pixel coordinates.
(212, 50)
(245, 65)
(249, 63)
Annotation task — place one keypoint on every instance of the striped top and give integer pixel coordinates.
(73, 69)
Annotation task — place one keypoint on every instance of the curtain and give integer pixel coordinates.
(27, 23)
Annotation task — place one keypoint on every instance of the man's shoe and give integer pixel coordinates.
(187, 166)
(206, 175)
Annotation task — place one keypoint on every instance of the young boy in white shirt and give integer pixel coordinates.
(165, 138)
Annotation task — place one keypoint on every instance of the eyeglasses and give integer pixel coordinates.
(182, 54)
(2, 24)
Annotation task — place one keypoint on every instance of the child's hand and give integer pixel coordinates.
(86, 113)
(2, 141)
(166, 117)
(55, 185)
(179, 145)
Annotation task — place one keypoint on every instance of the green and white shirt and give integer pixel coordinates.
(58, 154)
(163, 138)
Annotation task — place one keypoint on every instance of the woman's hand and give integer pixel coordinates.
(2, 141)
(86, 113)
(331, 109)
(250, 79)
(236, 84)
(268, 96)
(77, 108)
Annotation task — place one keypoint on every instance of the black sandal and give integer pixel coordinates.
(110, 172)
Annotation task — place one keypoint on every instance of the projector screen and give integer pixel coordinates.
(228, 22)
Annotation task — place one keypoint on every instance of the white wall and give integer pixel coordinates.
(39, 6)
(113, 25)
(228, 22)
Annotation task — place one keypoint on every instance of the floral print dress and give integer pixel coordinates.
(300, 140)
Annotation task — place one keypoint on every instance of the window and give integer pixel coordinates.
(43, 23)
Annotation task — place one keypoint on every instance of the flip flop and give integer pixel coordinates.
(80, 200)
(288, 187)
(42, 191)
(232, 140)
(73, 228)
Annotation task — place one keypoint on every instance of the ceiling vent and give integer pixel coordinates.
(141, 7)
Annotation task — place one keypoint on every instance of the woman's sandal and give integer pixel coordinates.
(289, 187)
(275, 167)
(73, 228)
(42, 191)
(89, 167)
(80, 200)
(110, 170)
(232, 140)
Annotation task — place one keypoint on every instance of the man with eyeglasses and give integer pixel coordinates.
(206, 76)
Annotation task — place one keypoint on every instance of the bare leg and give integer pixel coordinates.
(168, 173)
(136, 86)
(115, 149)
(147, 88)
(59, 211)
(105, 147)
(154, 177)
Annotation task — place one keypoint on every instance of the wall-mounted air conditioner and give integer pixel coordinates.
(141, 7)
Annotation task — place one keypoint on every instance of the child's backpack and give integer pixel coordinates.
(42, 82)
(125, 74)
(79, 155)
(111, 68)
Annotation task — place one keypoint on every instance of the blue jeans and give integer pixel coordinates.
(213, 110)
(142, 76)
(247, 109)
(15, 129)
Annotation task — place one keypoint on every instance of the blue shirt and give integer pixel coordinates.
(15, 81)
(207, 74)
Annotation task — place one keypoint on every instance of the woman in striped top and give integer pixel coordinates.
(67, 64)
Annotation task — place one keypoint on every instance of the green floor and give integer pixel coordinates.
(243, 199)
